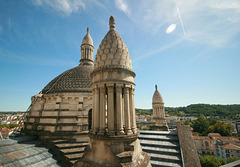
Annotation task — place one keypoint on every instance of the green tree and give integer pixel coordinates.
(201, 125)
(221, 127)
(13, 125)
(188, 123)
(211, 161)
(5, 125)
(195, 134)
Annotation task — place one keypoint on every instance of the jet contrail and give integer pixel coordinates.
(180, 18)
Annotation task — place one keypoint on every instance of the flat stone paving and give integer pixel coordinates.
(26, 151)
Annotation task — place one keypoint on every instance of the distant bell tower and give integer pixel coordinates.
(87, 49)
(158, 111)
(114, 136)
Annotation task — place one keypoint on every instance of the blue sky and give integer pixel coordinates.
(198, 62)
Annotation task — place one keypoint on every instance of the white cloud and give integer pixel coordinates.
(65, 7)
(212, 22)
(122, 5)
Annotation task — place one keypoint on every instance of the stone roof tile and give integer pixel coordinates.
(76, 79)
(112, 48)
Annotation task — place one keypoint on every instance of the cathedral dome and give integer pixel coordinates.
(76, 79)
(112, 52)
(157, 97)
(87, 40)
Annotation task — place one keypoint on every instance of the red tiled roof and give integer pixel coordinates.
(5, 129)
(230, 146)
(201, 138)
(214, 134)
(228, 139)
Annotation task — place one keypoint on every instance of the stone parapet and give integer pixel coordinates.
(189, 151)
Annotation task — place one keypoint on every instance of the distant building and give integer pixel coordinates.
(4, 133)
(172, 122)
(215, 144)
(229, 150)
(223, 140)
(204, 144)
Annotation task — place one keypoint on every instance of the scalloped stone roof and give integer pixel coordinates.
(87, 39)
(76, 79)
(112, 52)
(157, 97)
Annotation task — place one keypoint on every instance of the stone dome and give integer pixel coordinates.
(87, 40)
(157, 97)
(112, 52)
(76, 79)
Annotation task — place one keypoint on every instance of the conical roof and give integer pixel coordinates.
(112, 52)
(157, 97)
(87, 40)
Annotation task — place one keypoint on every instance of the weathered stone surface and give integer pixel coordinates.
(76, 79)
(188, 148)
(158, 111)
(114, 152)
(26, 151)
(157, 97)
(114, 50)
(87, 39)
(113, 141)
(64, 104)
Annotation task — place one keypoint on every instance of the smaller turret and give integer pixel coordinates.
(158, 111)
(87, 49)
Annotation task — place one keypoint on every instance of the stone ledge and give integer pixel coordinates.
(115, 137)
(189, 152)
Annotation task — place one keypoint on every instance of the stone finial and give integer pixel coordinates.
(88, 30)
(156, 87)
(111, 23)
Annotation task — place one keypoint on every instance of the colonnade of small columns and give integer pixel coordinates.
(158, 112)
(113, 110)
(87, 52)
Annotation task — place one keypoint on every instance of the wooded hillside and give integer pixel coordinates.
(198, 109)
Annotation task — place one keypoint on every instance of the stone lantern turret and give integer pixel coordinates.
(113, 137)
(87, 49)
(158, 111)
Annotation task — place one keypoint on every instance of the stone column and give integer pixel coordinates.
(156, 109)
(110, 109)
(163, 112)
(159, 112)
(102, 111)
(119, 109)
(96, 110)
(153, 111)
(93, 106)
(132, 109)
(127, 111)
